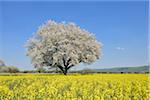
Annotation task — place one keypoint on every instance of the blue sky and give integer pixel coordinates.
(122, 27)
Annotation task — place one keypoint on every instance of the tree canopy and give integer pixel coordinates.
(62, 45)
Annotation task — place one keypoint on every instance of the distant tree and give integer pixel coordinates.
(13, 69)
(4, 69)
(62, 45)
(2, 64)
(9, 69)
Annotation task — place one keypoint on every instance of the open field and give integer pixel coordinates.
(75, 87)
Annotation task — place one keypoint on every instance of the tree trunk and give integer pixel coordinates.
(65, 71)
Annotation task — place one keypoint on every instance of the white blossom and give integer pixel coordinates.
(62, 45)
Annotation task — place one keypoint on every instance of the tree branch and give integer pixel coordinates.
(68, 62)
(61, 68)
(45, 60)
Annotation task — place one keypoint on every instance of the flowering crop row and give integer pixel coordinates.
(75, 87)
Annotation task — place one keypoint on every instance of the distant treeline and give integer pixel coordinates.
(73, 71)
(9, 69)
(12, 69)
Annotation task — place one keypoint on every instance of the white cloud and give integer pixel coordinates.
(120, 48)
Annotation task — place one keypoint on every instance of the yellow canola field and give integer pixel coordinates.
(75, 87)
